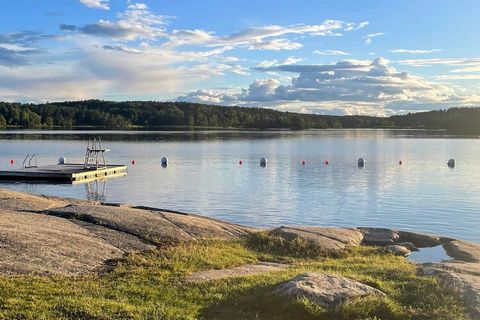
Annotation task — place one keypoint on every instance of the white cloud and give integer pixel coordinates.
(122, 49)
(209, 97)
(137, 22)
(415, 51)
(347, 87)
(463, 65)
(441, 61)
(362, 25)
(369, 37)
(331, 53)
(473, 68)
(272, 37)
(98, 4)
(292, 60)
(275, 45)
(271, 63)
(458, 77)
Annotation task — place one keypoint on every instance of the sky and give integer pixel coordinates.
(371, 57)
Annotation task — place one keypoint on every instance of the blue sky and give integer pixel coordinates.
(333, 57)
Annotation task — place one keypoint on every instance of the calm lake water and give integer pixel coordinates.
(204, 175)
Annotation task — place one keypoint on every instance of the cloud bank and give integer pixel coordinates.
(343, 87)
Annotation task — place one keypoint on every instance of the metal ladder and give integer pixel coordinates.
(27, 162)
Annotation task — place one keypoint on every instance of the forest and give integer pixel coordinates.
(151, 115)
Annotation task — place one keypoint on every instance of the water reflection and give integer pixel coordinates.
(204, 176)
(96, 190)
(205, 135)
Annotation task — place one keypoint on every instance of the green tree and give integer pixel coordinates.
(49, 122)
(298, 122)
(3, 122)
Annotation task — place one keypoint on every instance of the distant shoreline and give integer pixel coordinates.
(154, 115)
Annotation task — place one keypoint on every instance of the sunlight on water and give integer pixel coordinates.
(204, 175)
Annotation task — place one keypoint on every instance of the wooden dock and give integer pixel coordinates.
(70, 173)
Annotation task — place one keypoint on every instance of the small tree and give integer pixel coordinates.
(3, 122)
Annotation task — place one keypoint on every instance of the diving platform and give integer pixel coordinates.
(94, 168)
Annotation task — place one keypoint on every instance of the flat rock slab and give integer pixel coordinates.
(205, 228)
(47, 235)
(241, 271)
(35, 243)
(327, 239)
(155, 226)
(326, 290)
(146, 225)
(121, 240)
(16, 201)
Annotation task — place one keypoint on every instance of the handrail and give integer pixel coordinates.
(33, 157)
(27, 158)
(27, 162)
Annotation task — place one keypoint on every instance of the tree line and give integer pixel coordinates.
(150, 115)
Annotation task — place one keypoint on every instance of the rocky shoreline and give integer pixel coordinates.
(68, 237)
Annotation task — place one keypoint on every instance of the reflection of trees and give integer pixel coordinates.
(96, 190)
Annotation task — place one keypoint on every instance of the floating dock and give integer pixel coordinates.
(94, 168)
(69, 173)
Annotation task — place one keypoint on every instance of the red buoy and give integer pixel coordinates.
(133, 162)
(12, 161)
(304, 162)
(327, 162)
(240, 162)
(400, 162)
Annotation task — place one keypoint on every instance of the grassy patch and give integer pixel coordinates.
(281, 248)
(150, 286)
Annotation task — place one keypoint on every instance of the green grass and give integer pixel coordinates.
(150, 286)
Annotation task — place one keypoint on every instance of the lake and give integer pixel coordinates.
(204, 175)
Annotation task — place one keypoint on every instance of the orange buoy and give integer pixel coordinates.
(12, 161)
(327, 162)
(304, 162)
(400, 162)
(133, 162)
(240, 162)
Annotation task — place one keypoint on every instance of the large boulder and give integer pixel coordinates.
(420, 240)
(378, 236)
(398, 250)
(383, 237)
(326, 239)
(326, 290)
(463, 250)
